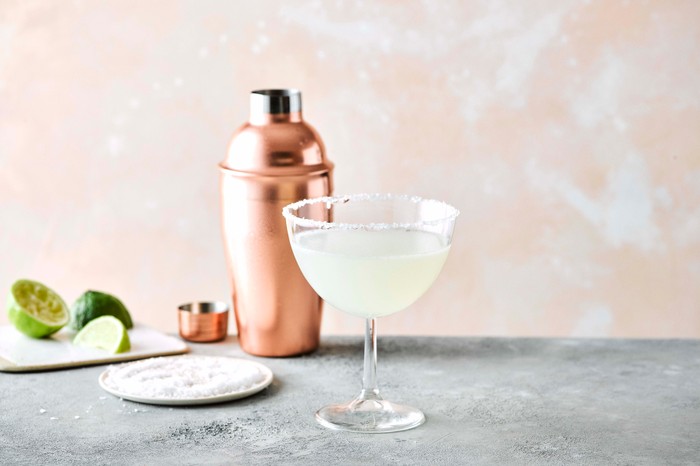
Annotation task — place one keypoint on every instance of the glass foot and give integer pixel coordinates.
(370, 416)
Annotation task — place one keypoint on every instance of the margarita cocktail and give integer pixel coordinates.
(370, 273)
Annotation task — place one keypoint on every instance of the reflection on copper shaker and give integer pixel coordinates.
(274, 159)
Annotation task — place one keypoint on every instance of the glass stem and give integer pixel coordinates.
(369, 377)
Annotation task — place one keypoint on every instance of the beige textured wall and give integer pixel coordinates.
(567, 132)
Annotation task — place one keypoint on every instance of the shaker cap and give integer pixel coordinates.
(275, 101)
(276, 141)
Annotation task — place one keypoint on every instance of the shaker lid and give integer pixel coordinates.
(276, 141)
(275, 101)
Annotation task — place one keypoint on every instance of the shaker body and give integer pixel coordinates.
(277, 312)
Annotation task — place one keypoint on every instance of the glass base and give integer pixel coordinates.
(371, 416)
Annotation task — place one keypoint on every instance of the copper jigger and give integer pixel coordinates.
(203, 321)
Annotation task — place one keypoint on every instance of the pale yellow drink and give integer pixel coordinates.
(370, 273)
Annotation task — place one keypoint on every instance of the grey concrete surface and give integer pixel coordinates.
(488, 401)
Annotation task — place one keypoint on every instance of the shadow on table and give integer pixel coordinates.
(271, 391)
(397, 346)
(450, 348)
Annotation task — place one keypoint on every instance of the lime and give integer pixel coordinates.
(93, 304)
(106, 332)
(35, 309)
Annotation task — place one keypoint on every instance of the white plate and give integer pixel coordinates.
(234, 395)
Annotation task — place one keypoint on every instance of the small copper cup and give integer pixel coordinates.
(203, 321)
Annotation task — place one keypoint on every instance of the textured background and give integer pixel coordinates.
(567, 132)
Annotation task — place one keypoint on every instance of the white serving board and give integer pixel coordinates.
(20, 353)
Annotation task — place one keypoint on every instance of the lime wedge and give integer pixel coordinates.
(93, 304)
(106, 332)
(35, 309)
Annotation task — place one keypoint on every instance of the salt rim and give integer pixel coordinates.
(307, 222)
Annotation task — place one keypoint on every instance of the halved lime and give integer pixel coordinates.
(35, 309)
(93, 304)
(107, 333)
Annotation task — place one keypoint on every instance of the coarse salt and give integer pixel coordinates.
(183, 377)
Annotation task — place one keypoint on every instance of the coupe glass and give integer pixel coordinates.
(370, 255)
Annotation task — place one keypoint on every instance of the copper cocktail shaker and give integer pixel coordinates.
(274, 159)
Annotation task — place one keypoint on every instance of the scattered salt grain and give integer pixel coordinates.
(42, 411)
(183, 377)
(103, 398)
(53, 418)
(76, 417)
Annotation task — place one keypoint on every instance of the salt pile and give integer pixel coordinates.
(183, 377)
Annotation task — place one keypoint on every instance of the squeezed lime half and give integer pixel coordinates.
(35, 309)
(107, 333)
